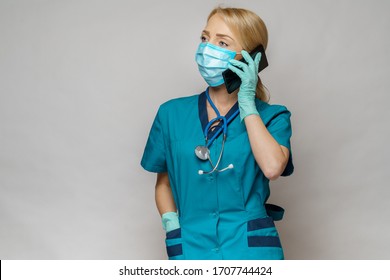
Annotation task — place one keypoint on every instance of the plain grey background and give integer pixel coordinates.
(81, 81)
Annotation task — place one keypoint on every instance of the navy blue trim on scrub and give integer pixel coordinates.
(274, 211)
(176, 233)
(177, 249)
(264, 241)
(202, 109)
(204, 118)
(174, 250)
(260, 223)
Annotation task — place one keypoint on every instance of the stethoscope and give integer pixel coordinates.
(202, 151)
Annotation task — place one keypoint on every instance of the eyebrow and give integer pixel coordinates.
(218, 34)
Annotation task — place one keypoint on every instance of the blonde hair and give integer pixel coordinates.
(250, 31)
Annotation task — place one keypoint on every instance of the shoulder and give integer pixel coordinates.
(271, 111)
(181, 103)
(178, 108)
(267, 108)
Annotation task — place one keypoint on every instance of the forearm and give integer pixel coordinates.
(270, 156)
(163, 194)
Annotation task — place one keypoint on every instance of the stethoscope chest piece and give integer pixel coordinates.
(202, 152)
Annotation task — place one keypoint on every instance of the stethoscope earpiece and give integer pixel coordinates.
(201, 172)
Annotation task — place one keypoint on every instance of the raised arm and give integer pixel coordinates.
(270, 156)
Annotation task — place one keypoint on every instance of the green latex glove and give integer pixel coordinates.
(248, 75)
(170, 221)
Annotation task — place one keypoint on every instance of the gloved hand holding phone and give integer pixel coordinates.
(248, 74)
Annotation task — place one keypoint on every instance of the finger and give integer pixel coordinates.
(252, 63)
(238, 64)
(236, 70)
(257, 60)
(247, 57)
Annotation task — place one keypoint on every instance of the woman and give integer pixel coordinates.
(214, 166)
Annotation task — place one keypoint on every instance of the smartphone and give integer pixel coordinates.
(232, 81)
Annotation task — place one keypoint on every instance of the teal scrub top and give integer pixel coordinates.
(222, 215)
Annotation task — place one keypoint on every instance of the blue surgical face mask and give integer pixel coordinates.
(212, 61)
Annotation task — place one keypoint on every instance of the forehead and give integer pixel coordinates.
(217, 25)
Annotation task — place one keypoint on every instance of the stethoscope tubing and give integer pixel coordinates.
(203, 152)
(219, 117)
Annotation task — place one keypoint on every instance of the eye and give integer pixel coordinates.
(223, 44)
(203, 38)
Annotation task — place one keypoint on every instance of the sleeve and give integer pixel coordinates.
(280, 128)
(154, 157)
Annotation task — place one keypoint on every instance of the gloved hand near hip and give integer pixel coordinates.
(248, 75)
(170, 221)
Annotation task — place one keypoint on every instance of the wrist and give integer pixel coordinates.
(247, 108)
(170, 221)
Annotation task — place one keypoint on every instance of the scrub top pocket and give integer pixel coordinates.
(263, 237)
(174, 244)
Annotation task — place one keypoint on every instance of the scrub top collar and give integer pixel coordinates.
(204, 119)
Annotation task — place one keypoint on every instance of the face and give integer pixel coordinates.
(219, 34)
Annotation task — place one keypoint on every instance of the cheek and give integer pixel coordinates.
(238, 57)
